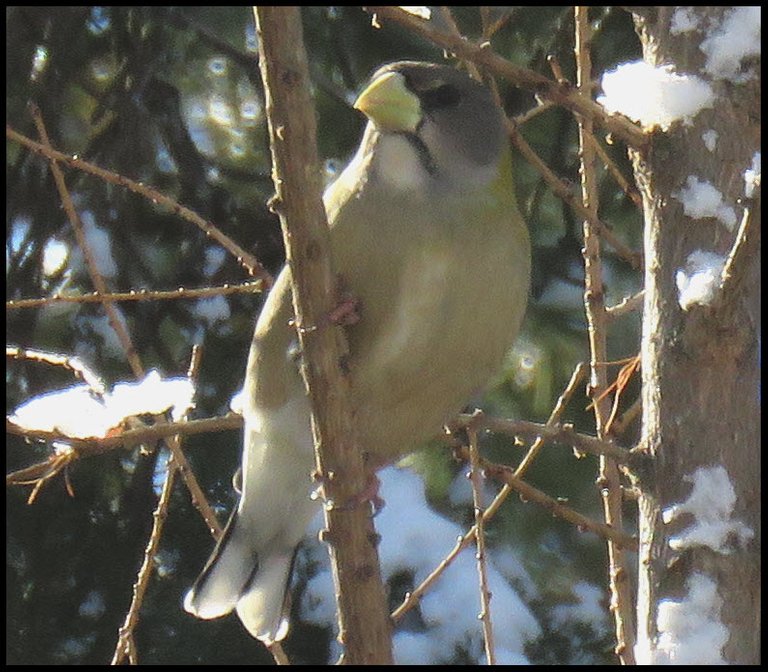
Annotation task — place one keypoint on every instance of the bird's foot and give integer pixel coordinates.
(346, 312)
(348, 307)
(368, 495)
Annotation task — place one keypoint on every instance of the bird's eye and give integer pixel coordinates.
(440, 97)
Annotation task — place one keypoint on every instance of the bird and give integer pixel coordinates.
(426, 233)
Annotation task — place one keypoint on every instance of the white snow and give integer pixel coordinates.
(710, 139)
(729, 44)
(77, 412)
(699, 281)
(752, 176)
(684, 20)
(711, 502)
(414, 539)
(654, 96)
(690, 631)
(702, 199)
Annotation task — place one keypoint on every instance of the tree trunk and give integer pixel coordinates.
(700, 368)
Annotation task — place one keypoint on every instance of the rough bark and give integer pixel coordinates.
(701, 366)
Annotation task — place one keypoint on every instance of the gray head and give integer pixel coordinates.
(455, 127)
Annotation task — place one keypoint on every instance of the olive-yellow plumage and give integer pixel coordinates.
(426, 233)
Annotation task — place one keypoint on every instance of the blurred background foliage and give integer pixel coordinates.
(172, 97)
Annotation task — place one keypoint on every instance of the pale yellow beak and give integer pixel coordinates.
(389, 104)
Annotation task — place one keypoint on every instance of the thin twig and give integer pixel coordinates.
(564, 191)
(491, 27)
(482, 574)
(126, 646)
(557, 71)
(73, 364)
(199, 500)
(57, 463)
(630, 304)
(512, 427)
(529, 493)
(138, 295)
(625, 185)
(553, 433)
(745, 246)
(115, 318)
(247, 260)
(482, 55)
(622, 380)
(620, 425)
(554, 417)
(525, 117)
(278, 653)
(594, 300)
(88, 447)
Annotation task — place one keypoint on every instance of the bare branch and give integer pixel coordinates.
(479, 508)
(138, 295)
(594, 301)
(249, 262)
(481, 54)
(363, 618)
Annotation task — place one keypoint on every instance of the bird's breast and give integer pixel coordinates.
(420, 300)
(433, 337)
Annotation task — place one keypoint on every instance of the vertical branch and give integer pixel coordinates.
(479, 508)
(594, 300)
(126, 643)
(363, 617)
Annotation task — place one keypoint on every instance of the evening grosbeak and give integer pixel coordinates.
(426, 233)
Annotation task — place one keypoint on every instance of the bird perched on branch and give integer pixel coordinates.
(426, 233)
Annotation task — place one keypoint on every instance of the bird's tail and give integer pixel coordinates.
(237, 576)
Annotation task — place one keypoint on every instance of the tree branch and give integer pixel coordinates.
(483, 55)
(246, 259)
(594, 303)
(363, 617)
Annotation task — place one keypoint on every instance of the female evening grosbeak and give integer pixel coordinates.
(426, 233)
